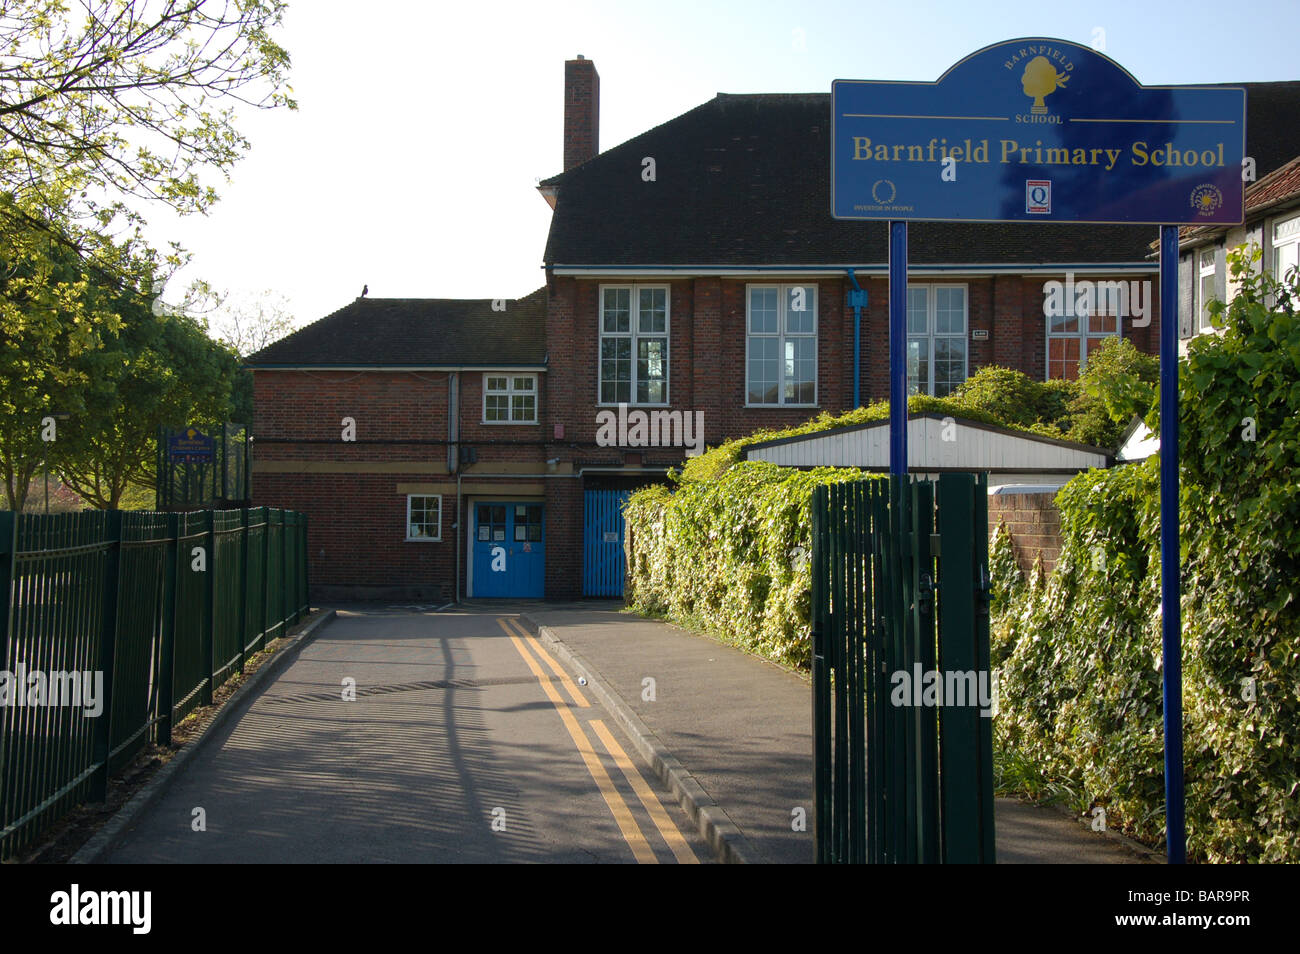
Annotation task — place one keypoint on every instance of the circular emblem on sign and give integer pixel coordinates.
(883, 191)
(1206, 198)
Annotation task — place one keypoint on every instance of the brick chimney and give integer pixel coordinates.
(581, 111)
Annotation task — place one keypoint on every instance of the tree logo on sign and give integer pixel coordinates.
(1041, 79)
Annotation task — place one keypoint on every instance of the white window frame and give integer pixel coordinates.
(1083, 332)
(423, 539)
(634, 334)
(1286, 234)
(780, 335)
(509, 394)
(931, 335)
(1203, 271)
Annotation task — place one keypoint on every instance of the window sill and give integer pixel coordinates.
(423, 540)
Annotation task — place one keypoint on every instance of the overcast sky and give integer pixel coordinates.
(411, 164)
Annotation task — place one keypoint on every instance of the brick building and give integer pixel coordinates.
(693, 273)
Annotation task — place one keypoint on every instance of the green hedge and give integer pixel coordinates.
(1081, 681)
(730, 555)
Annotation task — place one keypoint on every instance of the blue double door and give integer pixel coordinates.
(602, 542)
(509, 550)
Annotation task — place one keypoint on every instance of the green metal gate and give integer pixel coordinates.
(903, 695)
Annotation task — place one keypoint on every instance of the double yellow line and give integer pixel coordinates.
(627, 824)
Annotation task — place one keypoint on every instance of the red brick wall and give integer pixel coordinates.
(357, 519)
(357, 542)
(1034, 524)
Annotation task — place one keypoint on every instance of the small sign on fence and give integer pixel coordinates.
(192, 446)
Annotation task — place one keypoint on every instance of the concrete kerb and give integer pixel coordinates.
(714, 825)
(103, 841)
(1148, 855)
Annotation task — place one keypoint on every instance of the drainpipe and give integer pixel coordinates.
(453, 463)
(459, 539)
(858, 299)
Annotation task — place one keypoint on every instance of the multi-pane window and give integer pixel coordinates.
(782, 344)
(1074, 333)
(936, 338)
(634, 345)
(1286, 246)
(1205, 286)
(510, 398)
(491, 523)
(424, 517)
(528, 523)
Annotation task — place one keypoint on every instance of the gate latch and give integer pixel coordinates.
(983, 593)
(925, 598)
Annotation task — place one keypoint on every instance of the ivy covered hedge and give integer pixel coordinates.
(1081, 681)
(730, 555)
(727, 550)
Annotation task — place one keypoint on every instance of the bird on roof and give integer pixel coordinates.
(365, 290)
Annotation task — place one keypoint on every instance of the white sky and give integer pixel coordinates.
(411, 164)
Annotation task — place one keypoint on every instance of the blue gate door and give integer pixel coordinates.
(602, 550)
(509, 550)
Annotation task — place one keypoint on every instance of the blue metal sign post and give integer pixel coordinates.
(1170, 566)
(898, 348)
(1045, 130)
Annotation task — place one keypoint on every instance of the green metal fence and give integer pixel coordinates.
(116, 625)
(902, 690)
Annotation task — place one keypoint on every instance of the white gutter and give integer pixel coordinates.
(826, 271)
(487, 368)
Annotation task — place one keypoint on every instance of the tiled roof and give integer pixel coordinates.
(744, 180)
(418, 332)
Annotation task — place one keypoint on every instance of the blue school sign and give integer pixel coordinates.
(1044, 130)
(1037, 130)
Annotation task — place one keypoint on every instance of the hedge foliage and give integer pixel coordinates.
(1081, 681)
(731, 555)
(727, 551)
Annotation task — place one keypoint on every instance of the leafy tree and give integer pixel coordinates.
(248, 323)
(107, 100)
(157, 370)
(53, 318)
(1015, 398)
(1119, 383)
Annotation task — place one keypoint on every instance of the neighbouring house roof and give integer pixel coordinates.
(745, 180)
(934, 443)
(418, 332)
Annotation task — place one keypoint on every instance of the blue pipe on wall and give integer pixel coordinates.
(858, 299)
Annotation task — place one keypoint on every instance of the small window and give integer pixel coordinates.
(509, 399)
(1205, 287)
(424, 517)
